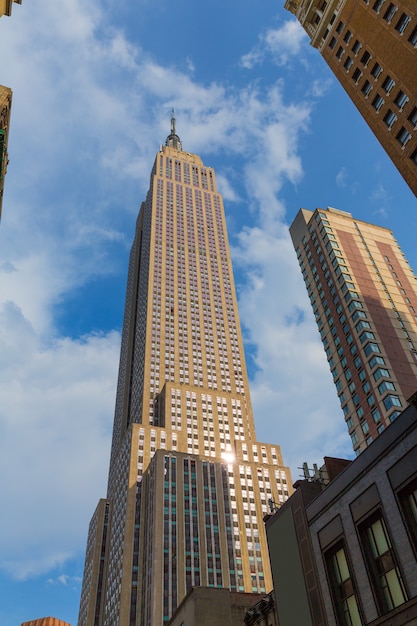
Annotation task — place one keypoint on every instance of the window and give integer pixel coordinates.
(388, 84)
(376, 416)
(413, 156)
(389, 13)
(390, 118)
(358, 314)
(391, 401)
(381, 372)
(356, 47)
(413, 116)
(413, 38)
(382, 563)
(371, 347)
(408, 500)
(377, 5)
(348, 64)
(340, 52)
(366, 88)
(366, 58)
(376, 360)
(394, 415)
(386, 385)
(356, 76)
(376, 70)
(401, 25)
(342, 586)
(366, 336)
(371, 400)
(332, 43)
(348, 36)
(401, 99)
(377, 102)
(340, 27)
(362, 324)
(403, 137)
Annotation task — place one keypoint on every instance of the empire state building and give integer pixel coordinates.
(189, 484)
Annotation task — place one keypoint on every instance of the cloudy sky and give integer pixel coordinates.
(94, 83)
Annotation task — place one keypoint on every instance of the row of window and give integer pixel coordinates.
(390, 401)
(381, 562)
(404, 135)
(390, 12)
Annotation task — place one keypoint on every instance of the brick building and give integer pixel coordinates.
(364, 298)
(370, 45)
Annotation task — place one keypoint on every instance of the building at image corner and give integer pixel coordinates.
(6, 6)
(46, 621)
(364, 298)
(5, 108)
(345, 554)
(189, 484)
(370, 46)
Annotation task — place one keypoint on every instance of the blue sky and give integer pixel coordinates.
(94, 84)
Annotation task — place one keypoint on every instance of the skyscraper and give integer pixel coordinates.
(370, 45)
(364, 297)
(188, 482)
(5, 107)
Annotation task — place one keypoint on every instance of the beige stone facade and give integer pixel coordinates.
(370, 45)
(46, 621)
(364, 297)
(189, 483)
(205, 606)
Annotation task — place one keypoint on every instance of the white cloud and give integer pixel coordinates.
(283, 44)
(341, 177)
(56, 407)
(292, 375)
(225, 187)
(65, 580)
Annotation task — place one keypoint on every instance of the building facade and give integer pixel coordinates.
(364, 298)
(205, 606)
(345, 554)
(5, 108)
(188, 482)
(370, 45)
(6, 6)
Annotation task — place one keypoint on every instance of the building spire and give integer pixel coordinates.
(173, 141)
